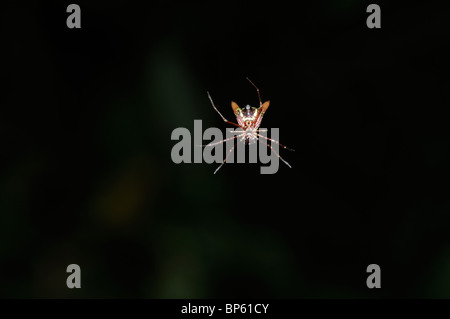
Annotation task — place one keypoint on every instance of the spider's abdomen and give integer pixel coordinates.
(247, 116)
(249, 113)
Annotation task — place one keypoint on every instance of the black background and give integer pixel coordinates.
(87, 176)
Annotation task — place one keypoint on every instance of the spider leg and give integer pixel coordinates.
(224, 119)
(272, 140)
(219, 142)
(257, 90)
(225, 159)
(277, 154)
(238, 131)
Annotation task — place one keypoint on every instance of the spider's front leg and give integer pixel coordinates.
(223, 118)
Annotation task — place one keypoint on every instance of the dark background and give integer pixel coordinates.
(87, 177)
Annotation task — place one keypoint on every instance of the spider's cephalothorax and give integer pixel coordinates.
(249, 119)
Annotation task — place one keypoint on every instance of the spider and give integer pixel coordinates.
(249, 119)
